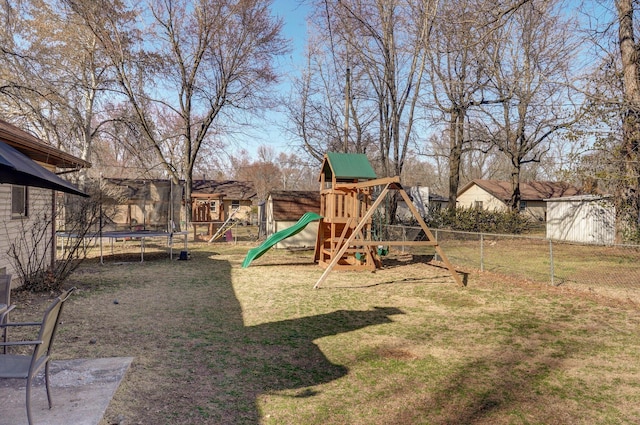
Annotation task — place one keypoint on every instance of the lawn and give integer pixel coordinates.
(217, 344)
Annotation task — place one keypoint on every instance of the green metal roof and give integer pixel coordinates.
(348, 166)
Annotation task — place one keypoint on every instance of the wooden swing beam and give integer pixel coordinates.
(392, 183)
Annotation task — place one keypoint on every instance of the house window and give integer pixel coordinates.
(18, 201)
(523, 205)
(214, 206)
(478, 205)
(235, 205)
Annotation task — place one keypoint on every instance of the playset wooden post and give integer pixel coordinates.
(345, 235)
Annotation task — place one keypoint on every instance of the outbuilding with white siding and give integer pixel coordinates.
(582, 218)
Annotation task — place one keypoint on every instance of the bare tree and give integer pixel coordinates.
(34, 253)
(593, 157)
(55, 78)
(317, 109)
(531, 77)
(376, 47)
(458, 74)
(460, 70)
(388, 42)
(296, 173)
(196, 60)
(419, 173)
(271, 171)
(606, 155)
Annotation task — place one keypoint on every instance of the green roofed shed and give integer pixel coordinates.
(346, 166)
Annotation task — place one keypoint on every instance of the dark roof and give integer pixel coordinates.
(347, 166)
(589, 197)
(35, 149)
(529, 191)
(290, 205)
(228, 189)
(17, 168)
(140, 189)
(434, 197)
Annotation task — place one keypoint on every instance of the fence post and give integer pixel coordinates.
(404, 236)
(481, 252)
(551, 261)
(435, 255)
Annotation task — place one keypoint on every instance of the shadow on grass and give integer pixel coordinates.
(406, 280)
(401, 260)
(244, 362)
(499, 383)
(200, 363)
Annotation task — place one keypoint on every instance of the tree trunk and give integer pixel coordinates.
(627, 191)
(515, 190)
(456, 141)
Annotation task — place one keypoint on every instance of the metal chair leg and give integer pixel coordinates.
(46, 380)
(29, 418)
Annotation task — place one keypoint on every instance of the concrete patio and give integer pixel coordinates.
(81, 389)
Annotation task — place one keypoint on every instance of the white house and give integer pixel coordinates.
(27, 187)
(584, 219)
(494, 195)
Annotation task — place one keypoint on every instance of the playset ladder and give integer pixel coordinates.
(225, 226)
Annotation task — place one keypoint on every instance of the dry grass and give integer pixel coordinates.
(217, 344)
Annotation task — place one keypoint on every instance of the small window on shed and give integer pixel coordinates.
(523, 205)
(18, 201)
(235, 204)
(478, 205)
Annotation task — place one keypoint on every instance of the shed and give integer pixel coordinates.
(424, 201)
(149, 204)
(284, 208)
(583, 219)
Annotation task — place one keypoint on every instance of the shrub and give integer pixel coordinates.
(30, 251)
(477, 220)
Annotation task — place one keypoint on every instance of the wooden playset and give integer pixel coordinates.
(346, 237)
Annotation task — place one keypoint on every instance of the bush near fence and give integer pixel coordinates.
(479, 220)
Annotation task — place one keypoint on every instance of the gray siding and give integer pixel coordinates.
(10, 229)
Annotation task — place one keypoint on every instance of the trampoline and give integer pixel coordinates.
(138, 235)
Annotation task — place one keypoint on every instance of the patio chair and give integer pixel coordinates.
(28, 366)
(5, 289)
(5, 298)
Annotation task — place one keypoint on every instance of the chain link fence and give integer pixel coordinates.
(614, 270)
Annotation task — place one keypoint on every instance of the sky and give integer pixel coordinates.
(295, 26)
(270, 132)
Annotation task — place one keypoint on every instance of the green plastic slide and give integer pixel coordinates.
(279, 236)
